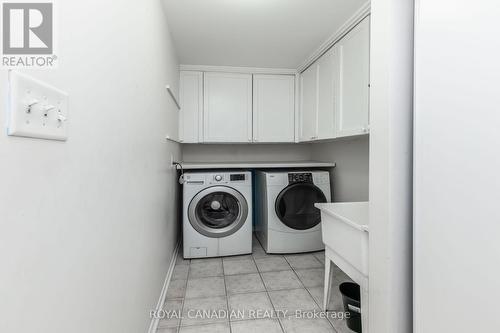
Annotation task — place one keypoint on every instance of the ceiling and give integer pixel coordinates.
(254, 33)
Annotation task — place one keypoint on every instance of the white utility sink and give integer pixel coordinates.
(345, 229)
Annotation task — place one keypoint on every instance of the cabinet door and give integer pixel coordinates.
(309, 103)
(273, 108)
(353, 49)
(227, 107)
(191, 100)
(328, 69)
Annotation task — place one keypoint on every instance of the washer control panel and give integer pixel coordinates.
(237, 177)
(218, 178)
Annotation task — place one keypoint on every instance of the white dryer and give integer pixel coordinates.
(286, 220)
(217, 214)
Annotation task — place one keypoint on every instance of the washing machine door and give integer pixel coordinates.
(295, 205)
(218, 211)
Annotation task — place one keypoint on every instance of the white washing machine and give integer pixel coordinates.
(286, 220)
(217, 214)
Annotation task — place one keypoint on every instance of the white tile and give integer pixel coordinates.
(205, 260)
(320, 256)
(313, 277)
(207, 328)
(255, 243)
(249, 306)
(294, 325)
(205, 269)
(192, 313)
(270, 264)
(167, 330)
(176, 289)
(180, 272)
(335, 297)
(259, 253)
(339, 274)
(340, 325)
(292, 300)
(301, 261)
(239, 267)
(260, 325)
(281, 280)
(239, 257)
(205, 287)
(172, 310)
(245, 283)
(317, 295)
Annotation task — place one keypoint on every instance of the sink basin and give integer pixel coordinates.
(345, 232)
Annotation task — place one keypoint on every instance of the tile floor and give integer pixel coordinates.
(250, 286)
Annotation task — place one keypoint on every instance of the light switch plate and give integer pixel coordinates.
(36, 109)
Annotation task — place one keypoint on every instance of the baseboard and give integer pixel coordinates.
(163, 295)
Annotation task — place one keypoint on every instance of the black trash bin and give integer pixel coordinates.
(351, 297)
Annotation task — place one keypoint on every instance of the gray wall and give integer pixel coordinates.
(350, 176)
(245, 152)
(88, 227)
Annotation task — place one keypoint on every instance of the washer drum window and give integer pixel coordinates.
(218, 211)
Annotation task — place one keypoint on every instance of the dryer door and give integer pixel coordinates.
(295, 206)
(218, 211)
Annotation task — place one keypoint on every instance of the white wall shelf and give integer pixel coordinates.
(252, 165)
(171, 93)
(168, 138)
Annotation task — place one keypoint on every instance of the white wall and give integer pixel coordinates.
(457, 164)
(350, 175)
(391, 72)
(242, 152)
(87, 227)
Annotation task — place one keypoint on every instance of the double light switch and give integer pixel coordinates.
(36, 109)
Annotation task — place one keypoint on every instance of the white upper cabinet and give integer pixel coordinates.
(319, 95)
(191, 100)
(309, 103)
(335, 89)
(259, 107)
(227, 107)
(273, 108)
(328, 88)
(354, 57)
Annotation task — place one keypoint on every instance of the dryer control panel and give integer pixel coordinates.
(305, 177)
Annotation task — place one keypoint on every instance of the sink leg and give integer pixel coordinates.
(364, 309)
(328, 284)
